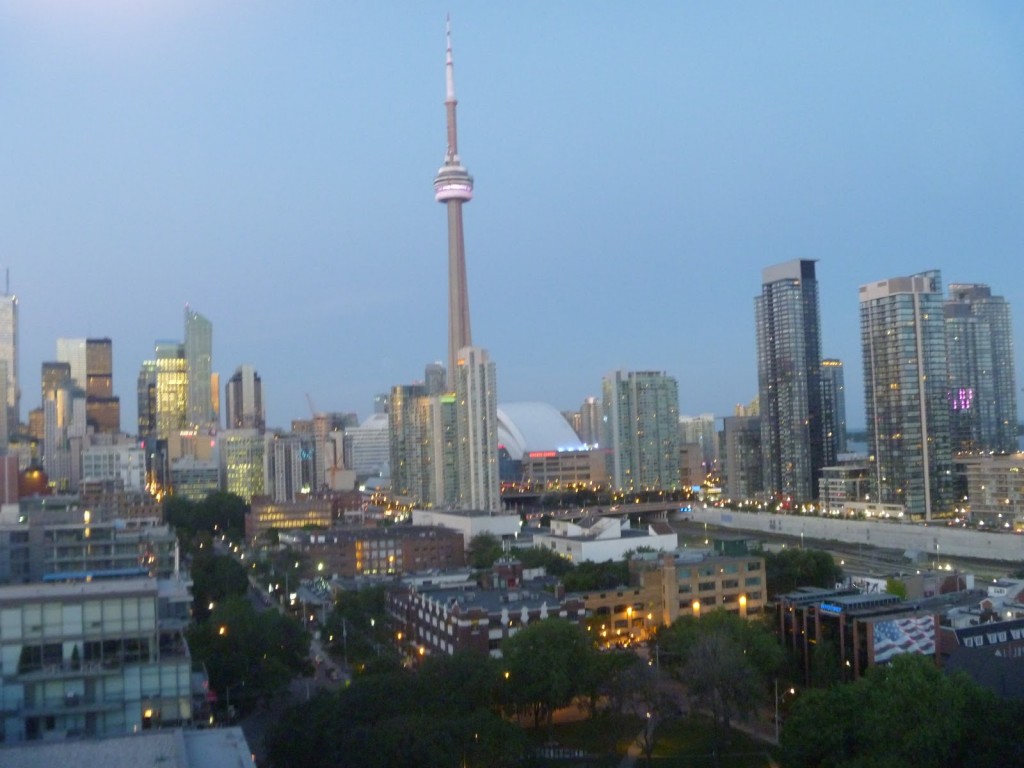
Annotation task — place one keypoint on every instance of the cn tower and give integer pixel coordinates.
(453, 186)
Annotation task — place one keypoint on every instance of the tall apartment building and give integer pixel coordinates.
(288, 473)
(93, 658)
(243, 400)
(641, 416)
(198, 348)
(590, 421)
(982, 382)
(405, 446)
(789, 380)
(905, 392)
(701, 431)
(476, 415)
(833, 410)
(742, 468)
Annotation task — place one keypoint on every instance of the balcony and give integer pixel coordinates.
(69, 669)
(72, 704)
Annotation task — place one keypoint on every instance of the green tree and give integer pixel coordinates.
(588, 576)
(539, 557)
(484, 550)
(254, 653)
(214, 579)
(791, 568)
(440, 714)
(549, 664)
(906, 713)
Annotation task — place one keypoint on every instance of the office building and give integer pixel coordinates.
(163, 392)
(367, 447)
(72, 352)
(242, 454)
(9, 357)
(453, 186)
(476, 414)
(194, 479)
(641, 418)
(243, 400)
(905, 392)
(982, 382)
(198, 349)
(123, 463)
(789, 380)
(266, 514)
(833, 410)
(102, 408)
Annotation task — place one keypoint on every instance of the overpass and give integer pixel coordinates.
(933, 539)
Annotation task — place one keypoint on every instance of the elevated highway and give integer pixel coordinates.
(934, 540)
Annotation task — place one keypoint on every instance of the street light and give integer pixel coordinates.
(777, 697)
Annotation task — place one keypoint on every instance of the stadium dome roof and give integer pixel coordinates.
(534, 426)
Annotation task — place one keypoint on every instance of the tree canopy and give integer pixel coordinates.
(254, 653)
(549, 664)
(907, 714)
(791, 568)
(440, 714)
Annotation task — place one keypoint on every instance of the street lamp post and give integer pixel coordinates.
(777, 698)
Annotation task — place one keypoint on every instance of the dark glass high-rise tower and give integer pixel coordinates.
(789, 380)
(833, 410)
(982, 382)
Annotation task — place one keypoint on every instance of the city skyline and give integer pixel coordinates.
(269, 168)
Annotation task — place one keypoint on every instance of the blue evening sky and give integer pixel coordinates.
(636, 165)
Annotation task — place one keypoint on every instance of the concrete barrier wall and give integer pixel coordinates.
(931, 539)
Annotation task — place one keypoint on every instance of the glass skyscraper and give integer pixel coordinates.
(982, 382)
(476, 414)
(9, 358)
(789, 380)
(641, 424)
(833, 410)
(905, 392)
(199, 363)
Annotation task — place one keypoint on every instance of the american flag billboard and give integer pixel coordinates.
(909, 635)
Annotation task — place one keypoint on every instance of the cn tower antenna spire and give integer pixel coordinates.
(453, 186)
(449, 99)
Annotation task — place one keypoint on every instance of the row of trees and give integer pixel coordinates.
(906, 714)
(459, 710)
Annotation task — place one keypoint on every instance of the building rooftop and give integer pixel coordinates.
(169, 748)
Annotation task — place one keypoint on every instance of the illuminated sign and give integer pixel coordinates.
(830, 608)
(542, 454)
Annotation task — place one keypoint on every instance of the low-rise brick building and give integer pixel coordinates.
(426, 621)
(383, 551)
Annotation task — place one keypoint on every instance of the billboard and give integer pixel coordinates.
(914, 634)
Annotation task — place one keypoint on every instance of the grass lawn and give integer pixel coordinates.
(685, 742)
(606, 735)
(689, 742)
